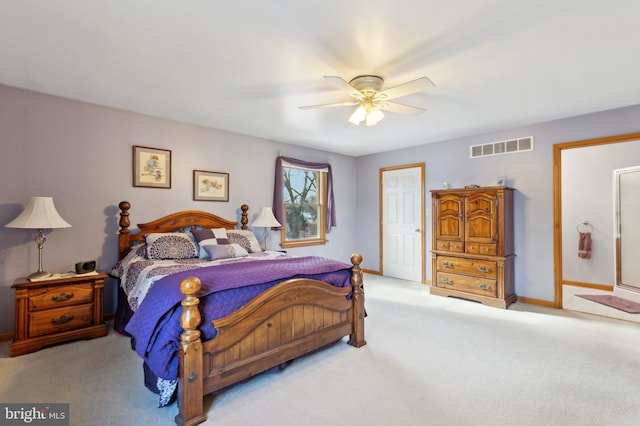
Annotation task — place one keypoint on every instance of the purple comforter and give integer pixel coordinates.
(155, 326)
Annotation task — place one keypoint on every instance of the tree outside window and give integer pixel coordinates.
(304, 211)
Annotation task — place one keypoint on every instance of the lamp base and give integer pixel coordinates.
(266, 235)
(38, 275)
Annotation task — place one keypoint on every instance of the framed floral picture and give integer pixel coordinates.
(210, 186)
(151, 167)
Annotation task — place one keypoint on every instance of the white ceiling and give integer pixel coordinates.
(245, 66)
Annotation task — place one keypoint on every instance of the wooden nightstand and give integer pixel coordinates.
(54, 311)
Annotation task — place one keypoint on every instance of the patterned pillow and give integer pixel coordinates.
(206, 234)
(225, 251)
(212, 236)
(245, 238)
(170, 245)
(201, 234)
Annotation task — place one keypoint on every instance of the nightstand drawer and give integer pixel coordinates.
(61, 319)
(57, 297)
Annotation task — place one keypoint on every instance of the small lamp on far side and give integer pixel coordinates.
(39, 213)
(266, 220)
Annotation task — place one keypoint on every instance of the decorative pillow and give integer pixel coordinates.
(201, 234)
(141, 250)
(205, 234)
(245, 238)
(225, 251)
(217, 236)
(170, 245)
(220, 233)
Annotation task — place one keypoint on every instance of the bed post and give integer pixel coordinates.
(244, 220)
(123, 240)
(190, 380)
(356, 338)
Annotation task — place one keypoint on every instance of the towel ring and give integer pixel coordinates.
(585, 224)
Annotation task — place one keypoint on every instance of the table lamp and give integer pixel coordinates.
(266, 220)
(39, 213)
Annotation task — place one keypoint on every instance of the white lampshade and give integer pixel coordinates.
(39, 213)
(266, 219)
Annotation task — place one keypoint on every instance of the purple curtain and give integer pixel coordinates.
(278, 193)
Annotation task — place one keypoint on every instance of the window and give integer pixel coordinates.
(303, 203)
(303, 208)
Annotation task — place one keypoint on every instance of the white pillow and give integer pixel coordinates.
(224, 251)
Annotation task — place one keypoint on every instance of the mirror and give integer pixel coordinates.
(570, 228)
(627, 213)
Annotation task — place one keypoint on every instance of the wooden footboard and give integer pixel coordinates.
(287, 321)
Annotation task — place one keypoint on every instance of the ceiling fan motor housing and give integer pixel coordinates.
(368, 85)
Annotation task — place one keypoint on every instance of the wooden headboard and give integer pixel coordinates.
(175, 222)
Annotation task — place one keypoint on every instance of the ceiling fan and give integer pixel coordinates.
(371, 100)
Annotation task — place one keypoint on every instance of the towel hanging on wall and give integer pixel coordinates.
(584, 245)
(584, 239)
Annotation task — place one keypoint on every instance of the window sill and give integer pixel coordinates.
(302, 243)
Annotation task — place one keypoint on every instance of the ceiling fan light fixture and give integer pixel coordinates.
(358, 115)
(371, 99)
(374, 115)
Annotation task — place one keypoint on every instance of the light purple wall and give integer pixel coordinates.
(531, 173)
(81, 155)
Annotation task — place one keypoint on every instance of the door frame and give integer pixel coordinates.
(422, 215)
(558, 278)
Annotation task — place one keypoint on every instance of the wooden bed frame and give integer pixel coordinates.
(290, 319)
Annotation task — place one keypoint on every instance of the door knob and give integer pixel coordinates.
(417, 229)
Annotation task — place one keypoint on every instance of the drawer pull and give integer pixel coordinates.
(62, 297)
(447, 281)
(62, 320)
(484, 269)
(484, 286)
(447, 264)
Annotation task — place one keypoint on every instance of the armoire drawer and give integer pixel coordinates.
(467, 284)
(482, 248)
(474, 267)
(452, 246)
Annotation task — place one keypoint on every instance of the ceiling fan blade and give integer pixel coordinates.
(414, 86)
(399, 108)
(338, 104)
(341, 84)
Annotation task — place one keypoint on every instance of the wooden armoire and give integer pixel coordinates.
(473, 247)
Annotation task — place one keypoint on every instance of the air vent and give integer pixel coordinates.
(503, 147)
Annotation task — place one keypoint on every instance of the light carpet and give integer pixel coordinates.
(429, 360)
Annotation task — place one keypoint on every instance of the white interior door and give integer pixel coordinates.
(402, 223)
